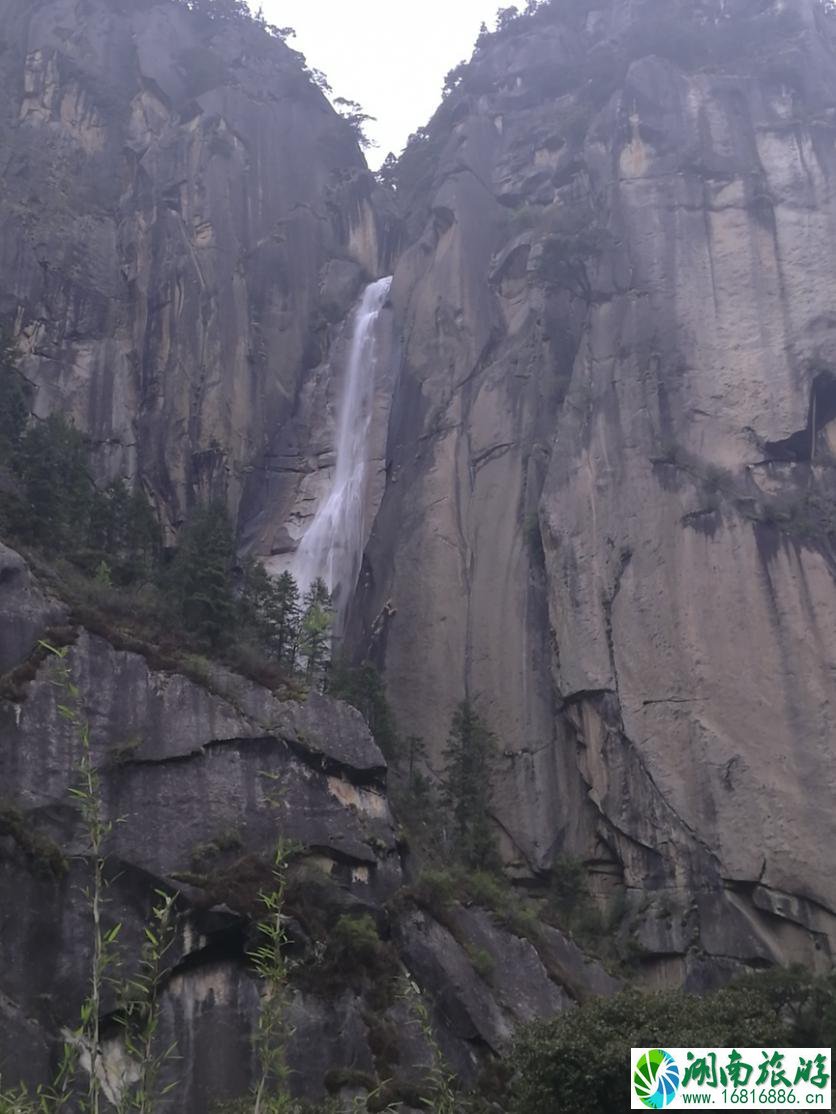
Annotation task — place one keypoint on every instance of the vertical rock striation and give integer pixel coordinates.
(174, 190)
(613, 517)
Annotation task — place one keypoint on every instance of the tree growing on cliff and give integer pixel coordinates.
(51, 463)
(124, 534)
(14, 408)
(200, 579)
(270, 607)
(467, 787)
(287, 619)
(315, 637)
(362, 687)
(506, 16)
(388, 173)
(356, 118)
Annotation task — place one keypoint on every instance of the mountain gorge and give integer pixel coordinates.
(599, 505)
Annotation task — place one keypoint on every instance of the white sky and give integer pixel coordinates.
(390, 55)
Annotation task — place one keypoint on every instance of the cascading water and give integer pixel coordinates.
(332, 547)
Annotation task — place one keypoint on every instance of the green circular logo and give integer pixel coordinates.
(656, 1079)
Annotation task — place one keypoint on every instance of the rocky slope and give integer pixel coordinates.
(199, 782)
(610, 516)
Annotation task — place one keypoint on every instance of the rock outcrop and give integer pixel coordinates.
(199, 781)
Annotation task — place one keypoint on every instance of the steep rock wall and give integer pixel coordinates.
(611, 515)
(174, 189)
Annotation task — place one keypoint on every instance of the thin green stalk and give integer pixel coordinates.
(272, 1095)
(97, 828)
(140, 1010)
(442, 1080)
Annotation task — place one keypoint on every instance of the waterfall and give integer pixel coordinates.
(332, 546)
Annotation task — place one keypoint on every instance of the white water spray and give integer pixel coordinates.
(332, 547)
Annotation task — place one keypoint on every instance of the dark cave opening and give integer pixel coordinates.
(800, 447)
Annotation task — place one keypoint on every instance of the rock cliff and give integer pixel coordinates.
(610, 515)
(604, 495)
(199, 780)
(184, 216)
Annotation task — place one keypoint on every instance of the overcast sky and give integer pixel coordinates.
(390, 55)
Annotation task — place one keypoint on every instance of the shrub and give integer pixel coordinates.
(576, 1062)
(483, 961)
(487, 889)
(568, 885)
(356, 940)
(436, 890)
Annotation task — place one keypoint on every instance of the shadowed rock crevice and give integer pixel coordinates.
(801, 447)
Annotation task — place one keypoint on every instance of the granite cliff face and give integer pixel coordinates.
(610, 516)
(184, 216)
(603, 493)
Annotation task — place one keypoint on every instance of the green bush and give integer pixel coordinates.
(436, 890)
(577, 1061)
(483, 961)
(356, 940)
(568, 885)
(487, 889)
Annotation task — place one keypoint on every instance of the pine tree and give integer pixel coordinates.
(51, 462)
(505, 17)
(356, 118)
(288, 616)
(417, 781)
(256, 593)
(467, 787)
(14, 409)
(201, 575)
(362, 687)
(142, 538)
(315, 635)
(124, 533)
(270, 607)
(388, 173)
